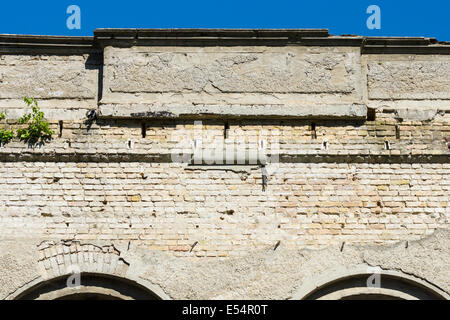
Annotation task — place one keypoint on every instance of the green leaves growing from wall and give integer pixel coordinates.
(38, 128)
(6, 135)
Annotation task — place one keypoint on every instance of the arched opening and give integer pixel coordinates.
(92, 286)
(88, 296)
(392, 286)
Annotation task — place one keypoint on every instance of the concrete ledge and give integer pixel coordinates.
(130, 33)
(203, 37)
(141, 111)
(110, 157)
(17, 44)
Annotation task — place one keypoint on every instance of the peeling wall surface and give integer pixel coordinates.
(227, 164)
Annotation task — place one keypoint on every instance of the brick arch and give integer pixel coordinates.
(102, 270)
(351, 284)
(61, 258)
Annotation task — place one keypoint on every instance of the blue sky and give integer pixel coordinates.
(429, 18)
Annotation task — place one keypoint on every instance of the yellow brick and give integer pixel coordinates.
(401, 182)
(136, 198)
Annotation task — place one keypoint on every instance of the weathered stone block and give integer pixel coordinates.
(405, 77)
(47, 77)
(284, 70)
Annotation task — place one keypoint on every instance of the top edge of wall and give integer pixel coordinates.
(241, 37)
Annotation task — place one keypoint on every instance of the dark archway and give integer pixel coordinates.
(93, 286)
(392, 287)
(88, 296)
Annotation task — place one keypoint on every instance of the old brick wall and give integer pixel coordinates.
(339, 179)
(322, 197)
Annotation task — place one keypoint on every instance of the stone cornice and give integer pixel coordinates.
(136, 111)
(208, 33)
(223, 37)
(24, 43)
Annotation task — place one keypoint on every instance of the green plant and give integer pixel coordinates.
(38, 128)
(5, 135)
